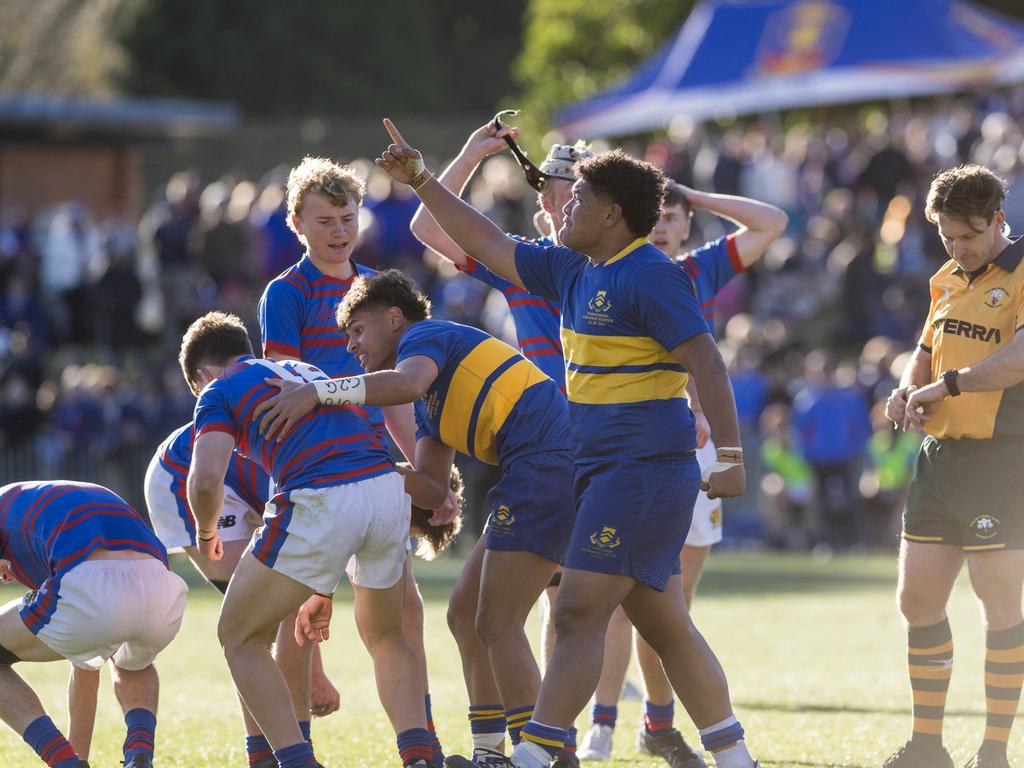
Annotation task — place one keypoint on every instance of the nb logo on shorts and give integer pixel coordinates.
(227, 521)
(606, 539)
(503, 516)
(600, 303)
(985, 526)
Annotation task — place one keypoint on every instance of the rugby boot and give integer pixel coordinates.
(271, 762)
(567, 760)
(482, 758)
(989, 758)
(597, 744)
(915, 754)
(670, 746)
(139, 761)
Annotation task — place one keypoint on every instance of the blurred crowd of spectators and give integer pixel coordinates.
(816, 334)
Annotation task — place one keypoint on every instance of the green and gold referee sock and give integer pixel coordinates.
(930, 661)
(1004, 673)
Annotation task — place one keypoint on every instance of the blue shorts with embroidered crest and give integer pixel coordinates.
(532, 506)
(633, 517)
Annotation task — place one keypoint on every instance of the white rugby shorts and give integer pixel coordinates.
(237, 519)
(706, 525)
(125, 610)
(312, 534)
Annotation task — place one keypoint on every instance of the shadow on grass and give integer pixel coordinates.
(798, 707)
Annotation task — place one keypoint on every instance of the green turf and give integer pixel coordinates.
(814, 652)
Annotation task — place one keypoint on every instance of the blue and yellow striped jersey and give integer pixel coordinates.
(620, 319)
(488, 401)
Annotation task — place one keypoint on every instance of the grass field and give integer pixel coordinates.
(814, 651)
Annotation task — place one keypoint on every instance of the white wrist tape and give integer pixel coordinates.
(717, 466)
(347, 391)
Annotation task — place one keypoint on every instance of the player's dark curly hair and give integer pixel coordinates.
(965, 192)
(390, 288)
(637, 187)
(434, 538)
(216, 338)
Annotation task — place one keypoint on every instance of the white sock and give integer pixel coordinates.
(492, 742)
(530, 755)
(735, 756)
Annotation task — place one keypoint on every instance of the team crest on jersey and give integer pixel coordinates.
(985, 526)
(600, 302)
(599, 306)
(994, 297)
(503, 516)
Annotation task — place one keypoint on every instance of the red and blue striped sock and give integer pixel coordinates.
(257, 747)
(604, 715)
(141, 725)
(296, 756)
(49, 743)
(435, 743)
(415, 745)
(570, 740)
(659, 717)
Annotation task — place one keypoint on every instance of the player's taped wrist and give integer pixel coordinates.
(348, 391)
(727, 458)
(420, 179)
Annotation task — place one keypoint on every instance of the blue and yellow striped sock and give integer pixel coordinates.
(487, 723)
(141, 724)
(516, 719)
(659, 717)
(604, 715)
(49, 743)
(550, 738)
(257, 747)
(296, 756)
(414, 745)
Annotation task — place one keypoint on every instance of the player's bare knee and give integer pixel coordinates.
(576, 616)
(412, 615)
(461, 614)
(919, 606)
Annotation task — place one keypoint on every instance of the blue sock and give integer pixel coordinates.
(658, 717)
(257, 747)
(549, 737)
(722, 734)
(415, 745)
(141, 733)
(435, 743)
(570, 739)
(304, 727)
(604, 715)
(296, 756)
(49, 743)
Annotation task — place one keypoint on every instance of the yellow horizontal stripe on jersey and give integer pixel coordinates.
(611, 351)
(499, 401)
(612, 388)
(464, 389)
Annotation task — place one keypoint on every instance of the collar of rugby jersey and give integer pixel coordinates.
(640, 241)
(1008, 260)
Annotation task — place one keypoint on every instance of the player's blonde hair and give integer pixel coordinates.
(339, 184)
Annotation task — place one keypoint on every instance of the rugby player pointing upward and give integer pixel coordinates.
(964, 385)
(631, 330)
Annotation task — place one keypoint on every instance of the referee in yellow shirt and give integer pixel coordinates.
(964, 387)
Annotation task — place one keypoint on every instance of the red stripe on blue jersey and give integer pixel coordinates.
(709, 268)
(330, 446)
(245, 477)
(47, 528)
(296, 314)
(536, 319)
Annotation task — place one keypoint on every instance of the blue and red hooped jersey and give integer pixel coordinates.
(49, 527)
(709, 268)
(330, 446)
(247, 478)
(535, 318)
(297, 322)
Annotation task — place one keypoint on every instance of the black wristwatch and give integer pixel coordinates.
(950, 378)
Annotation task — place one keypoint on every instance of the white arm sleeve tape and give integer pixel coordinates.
(347, 391)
